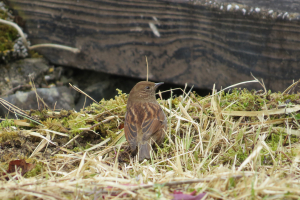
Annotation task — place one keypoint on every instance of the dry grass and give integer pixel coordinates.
(242, 145)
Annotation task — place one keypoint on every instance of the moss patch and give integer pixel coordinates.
(8, 35)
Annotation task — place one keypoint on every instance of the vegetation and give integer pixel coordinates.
(12, 45)
(229, 145)
(8, 35)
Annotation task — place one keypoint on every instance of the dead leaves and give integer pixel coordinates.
(17, 165)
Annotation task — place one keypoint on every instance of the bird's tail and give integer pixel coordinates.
(144, 151)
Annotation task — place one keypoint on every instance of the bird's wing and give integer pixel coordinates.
(152, 125)
(130, 133)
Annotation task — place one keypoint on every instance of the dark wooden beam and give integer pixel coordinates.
(194, 42)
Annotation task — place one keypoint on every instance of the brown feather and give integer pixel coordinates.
(145, 122)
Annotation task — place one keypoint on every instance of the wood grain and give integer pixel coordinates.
(195, 43)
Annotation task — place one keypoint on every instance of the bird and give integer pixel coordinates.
(145, 122)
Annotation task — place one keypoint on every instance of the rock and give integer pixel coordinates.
(18, 73)
(58, 97)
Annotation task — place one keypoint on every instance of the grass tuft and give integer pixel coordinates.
(229, 145)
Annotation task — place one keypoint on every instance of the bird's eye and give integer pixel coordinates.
(147, 87)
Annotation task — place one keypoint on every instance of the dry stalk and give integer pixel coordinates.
(57, 46)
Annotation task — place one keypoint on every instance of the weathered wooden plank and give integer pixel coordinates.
(195, 43)
(291, 6)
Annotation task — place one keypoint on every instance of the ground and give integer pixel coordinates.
(240, 144)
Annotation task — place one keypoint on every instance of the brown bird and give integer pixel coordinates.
(145, 122)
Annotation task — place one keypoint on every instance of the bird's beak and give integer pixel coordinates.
(157, 85)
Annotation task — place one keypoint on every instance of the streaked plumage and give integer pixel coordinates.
(145, 122)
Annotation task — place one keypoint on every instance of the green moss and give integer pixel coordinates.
(8, 35)
(231, 183)
(77, 149)
(87, 146)
(42, 115)
(75, 124)
(34, 54)
(6, 123)
(35, 171)
(8, 135)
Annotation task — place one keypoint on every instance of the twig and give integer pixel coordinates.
(15, 110)
(253, 81)
(57, 46)
(106, 120)
(290, 87)
(59, 148)
(261, 83)
(286, 156)
(33, 191)
(38, 98)
(80, 91)
(147, 68)
(15, 88)
(286, 137)
(18, 29)
(175, 183)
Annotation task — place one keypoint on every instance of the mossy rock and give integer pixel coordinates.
(8, 35)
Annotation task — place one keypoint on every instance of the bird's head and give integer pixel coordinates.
(144, 91)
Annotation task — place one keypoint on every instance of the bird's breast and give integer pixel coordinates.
(140, 112)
